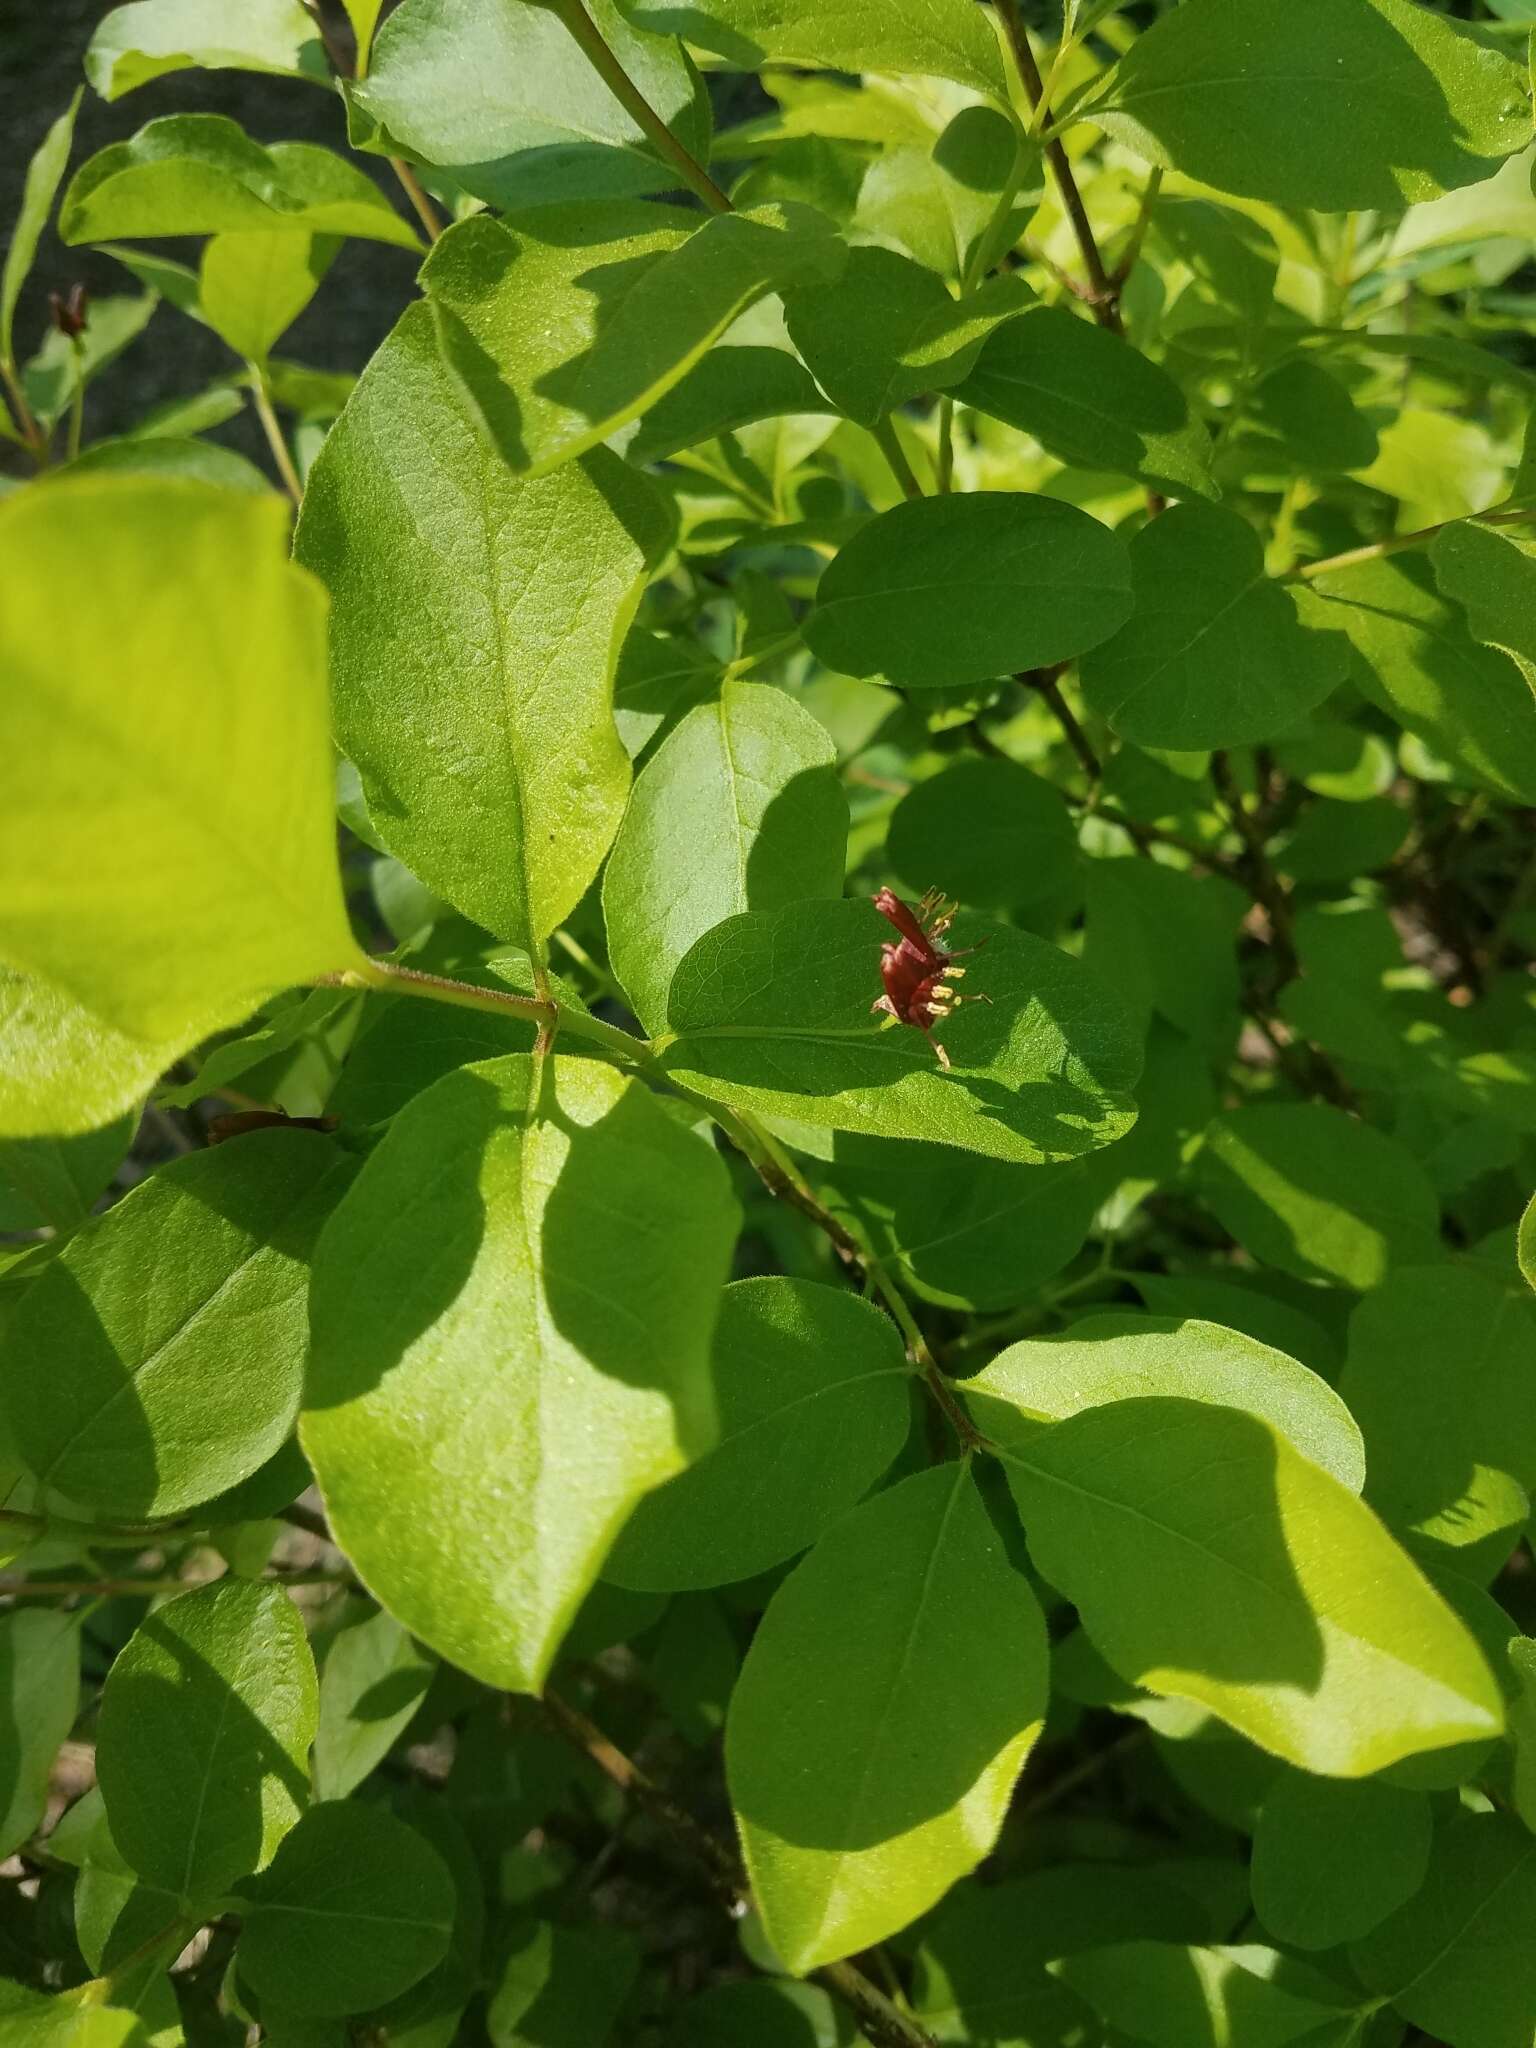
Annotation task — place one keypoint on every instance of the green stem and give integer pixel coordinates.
(413, 189)
(1394, 544)
(589, 39)
(896, 456)
(386, 978)
(946, 466)
(261, 397)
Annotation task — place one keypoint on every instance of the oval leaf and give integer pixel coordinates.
(203, 1747)
(812, 1390)
(1130, 1357)
(354, 1909)
(502, 673)
(1211, 1561)
(891, 1694)
(941, 592)
(159, 1359)
(571, 1240)
(771, 1011)
(739, 809)
(1215, 655)
(166, 755)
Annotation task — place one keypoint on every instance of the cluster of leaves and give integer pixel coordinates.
(1078, 467)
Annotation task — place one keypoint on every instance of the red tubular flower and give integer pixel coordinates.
(919, 975)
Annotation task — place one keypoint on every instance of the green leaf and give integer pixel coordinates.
(33, 2019)
(988, 832)
(59, 1179)
(1311, 1895)
(931, 38)
(729, 386)
(946, 591)
(201, 462)
(1459, 1959)
(354, 1909)
(201, 174)
(563, 323)
(1312, 412)
(371, 1683)
(940, 200)
(1441, 1367)
(812, 1391)
(771, 1011)
(1092, 400)
(1167, 941)
(1122, 1357)
(1315, 1192)
(65, 1071)
(1215, 654)
(1526, 1242)
(116, 1916)
(149, 38)
(562, 1987)
(364, 17)
(1212, 1562)
(1422, 666)
(166, 774)
(501, 99)
(1187, 1997)
(888, 330)
(762, 2012)
(891, 1694)
(982, 1968)
(252, 287)
(39, 1699)
(739, 809)
(572, 1244)
(159, 1358)
(44, 172)
(202, 1748)
(970, 1232)
(500, 673)
(1401, 104)
(1493, 578)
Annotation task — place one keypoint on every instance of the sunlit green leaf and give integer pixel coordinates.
(771, 1011)
(166, 774)
(148, 38)
(1211, 1561)
(890, 1697)
(501, 672)
(575, 1238)
(738, 809)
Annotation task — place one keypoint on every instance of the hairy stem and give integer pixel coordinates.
(589, 39)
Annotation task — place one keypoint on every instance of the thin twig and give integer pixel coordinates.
(1103, 296)
(1263, 882)
(1044, 680)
